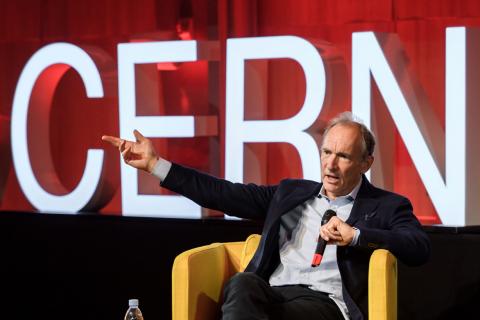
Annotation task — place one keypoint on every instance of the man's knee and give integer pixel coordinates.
(246, 296)
(244, 281)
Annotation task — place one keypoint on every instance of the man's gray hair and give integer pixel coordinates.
(347, 118)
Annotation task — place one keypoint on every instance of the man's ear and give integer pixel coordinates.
(367, 163)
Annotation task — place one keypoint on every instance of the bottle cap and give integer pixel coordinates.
(133, 303)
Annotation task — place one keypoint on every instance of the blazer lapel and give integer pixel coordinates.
(297, 193)
(365, 205)
(291, 194)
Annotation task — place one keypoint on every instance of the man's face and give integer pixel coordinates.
(342, 161)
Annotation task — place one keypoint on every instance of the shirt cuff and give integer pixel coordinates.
(356, 236)
(161, 169)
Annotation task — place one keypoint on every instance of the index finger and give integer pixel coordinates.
(138, 135)
(114, 141)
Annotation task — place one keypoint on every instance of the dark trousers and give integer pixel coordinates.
(247, 296)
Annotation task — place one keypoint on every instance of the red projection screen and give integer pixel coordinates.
(239, 89)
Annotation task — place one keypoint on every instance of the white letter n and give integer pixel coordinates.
(454, 193)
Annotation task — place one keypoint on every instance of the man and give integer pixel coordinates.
(279, 282)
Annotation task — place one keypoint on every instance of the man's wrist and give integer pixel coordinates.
(161, 168)
(356, 236)
(151, 165)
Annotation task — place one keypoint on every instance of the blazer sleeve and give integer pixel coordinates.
(248, 201)
(400, 232)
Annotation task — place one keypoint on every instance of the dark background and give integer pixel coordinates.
(88, 266)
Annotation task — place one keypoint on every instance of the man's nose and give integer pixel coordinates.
(332, 162)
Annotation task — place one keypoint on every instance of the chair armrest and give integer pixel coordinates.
(198, 277)
(382, 286)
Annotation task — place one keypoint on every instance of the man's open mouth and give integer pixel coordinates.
(331, 177)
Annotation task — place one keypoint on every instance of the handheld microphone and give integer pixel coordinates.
(321, 244)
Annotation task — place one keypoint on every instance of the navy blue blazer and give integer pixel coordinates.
(385, 220)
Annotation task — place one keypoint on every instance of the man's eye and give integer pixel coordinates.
(343, 156)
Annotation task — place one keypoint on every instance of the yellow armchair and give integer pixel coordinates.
(199, 274)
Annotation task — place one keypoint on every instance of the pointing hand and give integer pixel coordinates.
(140, 154)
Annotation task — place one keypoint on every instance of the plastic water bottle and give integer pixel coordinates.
(133, 312)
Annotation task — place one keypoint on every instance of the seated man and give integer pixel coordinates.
(280, 282)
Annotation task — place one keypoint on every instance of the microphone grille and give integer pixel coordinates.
(327, 215)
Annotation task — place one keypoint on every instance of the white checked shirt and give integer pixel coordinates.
(299, 233)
